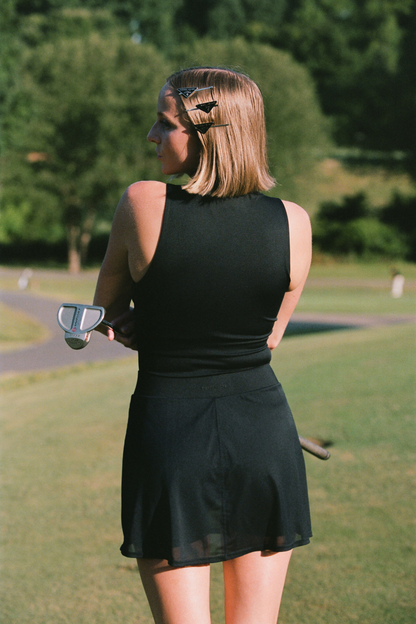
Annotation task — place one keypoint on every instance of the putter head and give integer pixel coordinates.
(78, 321)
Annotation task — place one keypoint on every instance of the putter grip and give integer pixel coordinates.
(314, 449)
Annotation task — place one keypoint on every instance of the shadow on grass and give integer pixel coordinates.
(300, 328)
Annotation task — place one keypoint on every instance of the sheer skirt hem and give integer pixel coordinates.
(216, 558)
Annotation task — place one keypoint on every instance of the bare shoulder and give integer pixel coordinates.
(140, 199)
(145, 190)
(139, 219)
(297, 215)
(300, 235)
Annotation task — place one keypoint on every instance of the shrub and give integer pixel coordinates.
(353, 207)
(352, 228)
(401, 213)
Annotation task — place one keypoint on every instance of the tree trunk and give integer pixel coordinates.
(85, 238)
(74, 257)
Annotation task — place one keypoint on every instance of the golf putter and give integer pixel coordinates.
(78, 321)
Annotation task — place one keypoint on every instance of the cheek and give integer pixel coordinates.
(194, 148)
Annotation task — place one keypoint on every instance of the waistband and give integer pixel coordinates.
(236, 382)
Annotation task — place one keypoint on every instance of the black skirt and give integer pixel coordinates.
(212, 469)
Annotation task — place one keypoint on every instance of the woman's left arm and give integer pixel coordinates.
(114, 286)
(300, 236)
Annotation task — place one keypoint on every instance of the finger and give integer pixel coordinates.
(110, 333)
(128, 328)
(129, 342)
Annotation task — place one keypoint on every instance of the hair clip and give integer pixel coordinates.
(186, 92)
(205, 106)
(204, 127)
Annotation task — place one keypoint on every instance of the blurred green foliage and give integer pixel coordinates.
(362, 55)
(400, 213)
(79, 81)
(353, 228)
(79, 108)
(76, 128)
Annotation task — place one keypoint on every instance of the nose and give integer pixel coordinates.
(153, 136)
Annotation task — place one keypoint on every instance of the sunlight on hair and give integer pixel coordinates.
(233, 157)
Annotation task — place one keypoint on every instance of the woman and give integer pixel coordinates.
(212, 467)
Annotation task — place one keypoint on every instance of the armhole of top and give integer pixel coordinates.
(161, 238)
(287, 237)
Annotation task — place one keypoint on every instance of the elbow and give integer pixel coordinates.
(272, 343)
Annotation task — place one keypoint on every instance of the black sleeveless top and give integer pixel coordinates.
(210, 297)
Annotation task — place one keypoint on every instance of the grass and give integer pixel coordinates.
(333, 180)
(337, 270)
(353, 300)
(18, 330)
(61, 453)
(56, 284)
(62, 435)
(356, 389)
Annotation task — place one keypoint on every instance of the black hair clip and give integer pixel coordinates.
(186, 92)
(204, 127)
(205, 106)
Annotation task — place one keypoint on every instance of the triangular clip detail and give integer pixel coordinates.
(205, 106)
(204, 127)
(186, 92)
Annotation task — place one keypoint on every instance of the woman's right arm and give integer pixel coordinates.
(300, 235)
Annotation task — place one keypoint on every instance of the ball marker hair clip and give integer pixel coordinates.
(186, 92)
(204, 127)
(205, 106)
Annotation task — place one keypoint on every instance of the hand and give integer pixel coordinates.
(126, 326)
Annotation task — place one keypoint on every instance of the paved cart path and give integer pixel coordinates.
(54, 352)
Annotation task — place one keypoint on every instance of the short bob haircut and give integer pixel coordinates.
(233, 158)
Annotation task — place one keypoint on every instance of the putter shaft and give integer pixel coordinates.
(314, 449)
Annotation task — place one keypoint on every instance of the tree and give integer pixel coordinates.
(400, 214)
(150, 21)
(76, 125)
(256, 20)
(353, 228)
(155, 22)
(361, 54)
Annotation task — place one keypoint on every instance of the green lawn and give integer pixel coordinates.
(347, 299)
(18, 330)
(56, 284)
(61, 450)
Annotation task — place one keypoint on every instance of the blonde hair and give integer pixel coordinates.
(233, 159)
